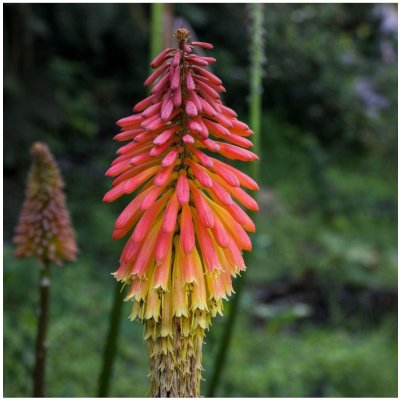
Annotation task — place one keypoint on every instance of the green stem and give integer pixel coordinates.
(257, 55)
(156, 40)
(41, 342)
(257, 50)
(110, 349)
(224, 342)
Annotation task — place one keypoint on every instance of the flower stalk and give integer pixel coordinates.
(187, 229)
(44, 231)
(41, 339)
(110, 348)
(156, 36)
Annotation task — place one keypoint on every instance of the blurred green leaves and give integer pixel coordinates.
(326, 363)
(74, 98)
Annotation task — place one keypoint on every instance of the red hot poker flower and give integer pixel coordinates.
(187, 229)
(44, 229)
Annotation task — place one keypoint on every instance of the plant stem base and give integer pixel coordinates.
(175, 363)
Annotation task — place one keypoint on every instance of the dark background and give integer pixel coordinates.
(319, 313)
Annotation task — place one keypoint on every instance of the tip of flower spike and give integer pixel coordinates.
(42, 155)
(182, 34)
(39, 148)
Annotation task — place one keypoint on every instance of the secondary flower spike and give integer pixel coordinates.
(44, 229)
(185, 224)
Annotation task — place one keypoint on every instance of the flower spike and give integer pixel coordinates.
(44, 229)
(187, 229)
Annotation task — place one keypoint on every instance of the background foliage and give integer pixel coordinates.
(319, 314)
